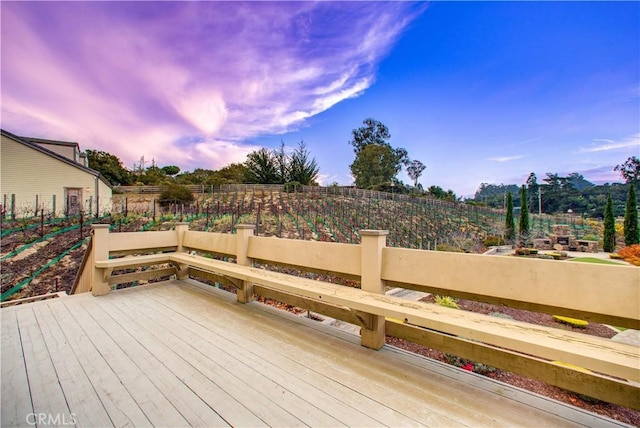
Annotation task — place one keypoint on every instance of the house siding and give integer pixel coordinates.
(33, 176)
(68, 151)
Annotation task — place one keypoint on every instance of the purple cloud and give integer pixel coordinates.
(136, 78)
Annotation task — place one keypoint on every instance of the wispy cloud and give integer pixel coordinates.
(505, 158)
(135, 78)
(602, 145)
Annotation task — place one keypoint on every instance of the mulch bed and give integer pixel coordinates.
(612, 411)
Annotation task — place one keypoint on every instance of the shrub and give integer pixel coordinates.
(468, 365)
(493, 241)
(449, 248)
(631, 254)
(609, 235)
(522, 252)
(447, 301)
(571, 321)
(292, 187)
(176, 193)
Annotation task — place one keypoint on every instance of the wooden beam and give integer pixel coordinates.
(583, 382)
(527, 306)
(140, 276)
(224, 280)
(332, 311)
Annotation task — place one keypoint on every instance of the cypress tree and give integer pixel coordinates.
(524, 216)
(509, 226)
(609, 244)
(631, 231)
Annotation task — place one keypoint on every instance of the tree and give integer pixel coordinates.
(262, 167)
(231, 174)
(110, 167)
(377, 163)
(373, 132)
(301, 167)
(154, 176)
(439, 193)
(631, 231)
(281, 161)
(609, 237)
(630, 170)
(509, 224)
(532, 189)
(374, 166)
(414, 170)
(524, 216)
(171, 169)
(176, 193)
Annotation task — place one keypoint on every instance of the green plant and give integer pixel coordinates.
(468, 365)
(631, 231)
(523, 224)
(609, 241)
(292, 186)
(449, 248)
(176, 193)
(446, 301)
(493, 240)
(509, 226)
(571, 321)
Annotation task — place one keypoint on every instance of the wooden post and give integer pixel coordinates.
(373, 241)
(243, 232)
(100, 282)
(181, 228)
(183, 270)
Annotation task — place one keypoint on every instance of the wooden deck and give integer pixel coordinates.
(180, 353)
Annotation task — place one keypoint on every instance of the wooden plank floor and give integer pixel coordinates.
(182, 354)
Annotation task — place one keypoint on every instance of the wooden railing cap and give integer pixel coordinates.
(368, 232)
(245, 226)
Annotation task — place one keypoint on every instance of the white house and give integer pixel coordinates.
(38, 174)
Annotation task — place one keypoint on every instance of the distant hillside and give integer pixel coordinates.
(338, 214)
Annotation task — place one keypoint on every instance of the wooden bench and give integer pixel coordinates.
(593, 353)
(590, 365)
(128, 262)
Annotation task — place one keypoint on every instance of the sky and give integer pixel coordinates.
(479, 92)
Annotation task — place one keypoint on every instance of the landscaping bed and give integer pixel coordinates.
(613, 411)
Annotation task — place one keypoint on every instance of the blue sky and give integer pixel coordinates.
(477, 91)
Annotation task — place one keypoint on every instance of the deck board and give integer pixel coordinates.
(303, 400)
(195, 412)
(179, 353)
(47, 395)
(119, 404)
(14, 374)
(127, 365)
(77, 387)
